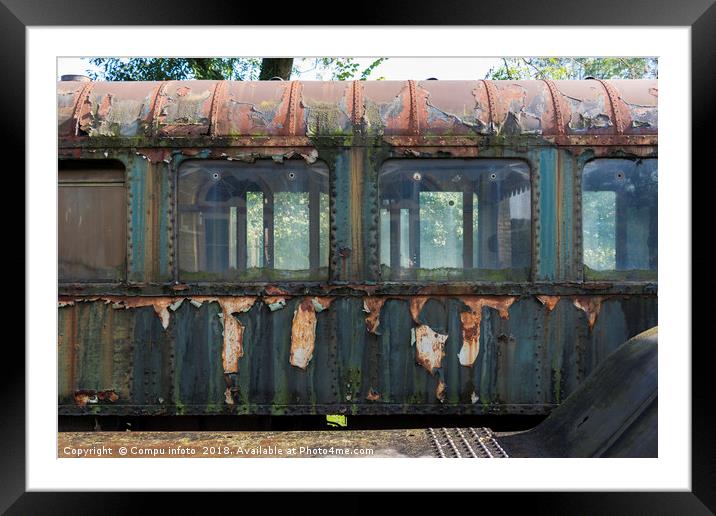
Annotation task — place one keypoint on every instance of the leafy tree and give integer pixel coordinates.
(175, 68)
(561, 68)
(343, 68)
(229, 68)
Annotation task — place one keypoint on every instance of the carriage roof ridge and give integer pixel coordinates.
(297, 112)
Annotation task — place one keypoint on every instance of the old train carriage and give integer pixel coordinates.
(416, 247)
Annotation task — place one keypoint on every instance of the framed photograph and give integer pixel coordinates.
(435, 237)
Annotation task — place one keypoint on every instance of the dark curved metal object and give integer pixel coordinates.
(614, 413)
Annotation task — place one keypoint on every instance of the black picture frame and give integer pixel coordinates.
(16, 15)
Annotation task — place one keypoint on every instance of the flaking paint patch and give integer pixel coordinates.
(160, 304)
(372, 395)
(549, 301)
(590, 306)
(303, 329)
(372, 306)
(440, 391)
(471, 320)
(233, 330)
(416, 306)
(84, 397)
(275, 303)
(429, 347)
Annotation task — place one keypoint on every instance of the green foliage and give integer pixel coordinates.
(179, 68)
(441, 230)
(175, 68)
(291, 227)
(230, 68)
(562, 68)
(599, 230)
(339, 68)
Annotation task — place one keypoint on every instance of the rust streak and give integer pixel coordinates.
(303, 330)
(549, 301)
(471, 320)
(440, 391)
(272, 290)
(372, 395)
(87, 396)
(416, 306)
(590, 306)
(372, 306)
(233, 331)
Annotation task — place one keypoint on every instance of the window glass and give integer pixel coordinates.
(253, 221)
(619, 219)
(455, 219)
(92, 221)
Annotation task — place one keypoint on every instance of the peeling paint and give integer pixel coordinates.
(299, 112)
(372, 395)
(321, 303)
(273, 290)
(440, 391)
(275, 303)
(471, 323)
(372, 306)
(303, 330)
(233, 330)
(590, 306)
(416, 306)
(86, 396)
(549, 301)
(429, 347)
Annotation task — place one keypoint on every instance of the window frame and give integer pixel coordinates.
(97, 163)
(176, 166)
(579, 225)
(522, 157)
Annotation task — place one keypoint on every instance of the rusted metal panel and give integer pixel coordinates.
(451, 108)
(523, 107)
(253, 108)
(176, 349)
(471, 320)
(327, 108)
(526, 363)
(185, 108)
(638, 104)
(386, 107)
(372, 306)
(68, 93)
(443, 111)
(117, 109)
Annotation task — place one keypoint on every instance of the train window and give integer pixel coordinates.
(253, 221)
(619, 219)
(444, 219)
(92, 221)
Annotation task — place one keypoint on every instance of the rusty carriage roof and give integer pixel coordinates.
(403, 112)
